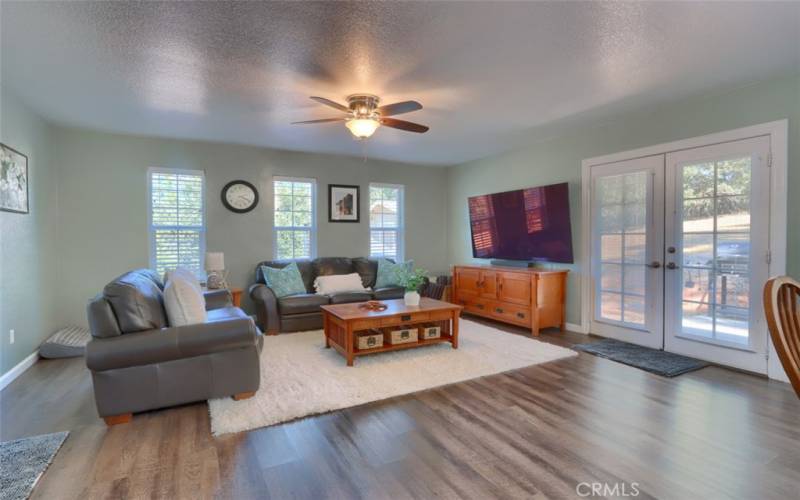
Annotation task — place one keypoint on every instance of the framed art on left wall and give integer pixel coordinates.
(13, 180)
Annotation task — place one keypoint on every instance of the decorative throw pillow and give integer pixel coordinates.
(283, 282)
(389, 274)
(337, 283)
(184, 301)
(187, 274)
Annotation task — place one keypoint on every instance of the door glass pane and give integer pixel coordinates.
(611, 277)
(697, 284)
(697, 319)
(716, 249)
(611, 306)
(634, 310)
(621, 211)
(634, 280)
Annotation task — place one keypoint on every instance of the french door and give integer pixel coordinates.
(627, 249)
(680, 251)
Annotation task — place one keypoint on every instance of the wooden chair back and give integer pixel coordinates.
(781, 295)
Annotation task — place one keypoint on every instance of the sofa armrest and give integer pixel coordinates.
(168, 344)
(217, 299)
(266, 308)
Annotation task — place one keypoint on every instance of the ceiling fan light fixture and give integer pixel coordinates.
(362, 128)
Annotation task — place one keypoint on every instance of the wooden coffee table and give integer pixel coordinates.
(343, 321)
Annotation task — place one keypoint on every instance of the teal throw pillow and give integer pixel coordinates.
(389, 274)
(283, 282)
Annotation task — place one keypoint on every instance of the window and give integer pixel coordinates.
(386, 221)
(295, 218)
(177, 222)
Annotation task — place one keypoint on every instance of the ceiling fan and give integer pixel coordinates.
(364, 116)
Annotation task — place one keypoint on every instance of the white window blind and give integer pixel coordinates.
(295, 225)
(386, 221)
(177, 219)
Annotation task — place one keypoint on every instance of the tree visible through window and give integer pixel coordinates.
(176, 219)
(295, 218)
(386, 221)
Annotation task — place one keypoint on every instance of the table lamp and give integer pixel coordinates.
(215, 267)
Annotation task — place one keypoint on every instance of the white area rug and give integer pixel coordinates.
(299, 377)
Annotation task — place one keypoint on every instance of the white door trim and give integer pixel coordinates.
(778, 132)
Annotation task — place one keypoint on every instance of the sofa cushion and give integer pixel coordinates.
(325, 266)
(225, 314)
(184, 301)
(137, 302)
(347, 297)
(389, 292)
(389, 272)
(302, 303)
(284, 282)
(367, 269)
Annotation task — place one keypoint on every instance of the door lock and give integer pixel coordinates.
(654, 265)
(672, 265)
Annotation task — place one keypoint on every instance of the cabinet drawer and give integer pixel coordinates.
(365, 324)
(477, 307)
(405, 318)
(440, 315)
(511, 313)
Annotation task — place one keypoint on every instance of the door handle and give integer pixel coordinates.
(654, 265)
(672, 265)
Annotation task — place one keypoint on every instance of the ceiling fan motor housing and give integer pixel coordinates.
(363, 105)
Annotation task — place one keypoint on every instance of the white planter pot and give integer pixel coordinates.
(411, 298)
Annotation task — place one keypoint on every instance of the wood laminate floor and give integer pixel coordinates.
(539, 432)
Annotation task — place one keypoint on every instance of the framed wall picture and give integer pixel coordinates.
(13, 180)
(343, 203)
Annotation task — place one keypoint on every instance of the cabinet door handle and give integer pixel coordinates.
(405, 317)
(498, 309)
(480, 306)
(520, 315)
(500, 285)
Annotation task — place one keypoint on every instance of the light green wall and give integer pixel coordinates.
(103, 216)
(559, 159)
(28, 243)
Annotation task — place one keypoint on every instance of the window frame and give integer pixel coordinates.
(401, 219)
(312, 229)
(151, 229)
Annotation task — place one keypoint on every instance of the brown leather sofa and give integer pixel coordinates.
(138, 362)
(302, 312)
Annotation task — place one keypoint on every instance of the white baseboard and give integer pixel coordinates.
(573, 327)
(18, 370)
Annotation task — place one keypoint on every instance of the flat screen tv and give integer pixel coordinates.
(528, 224)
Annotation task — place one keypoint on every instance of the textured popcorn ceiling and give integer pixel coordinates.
(486, 73)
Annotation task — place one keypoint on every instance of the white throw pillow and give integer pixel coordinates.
(187, 274)
(184, 301)
(337, 283)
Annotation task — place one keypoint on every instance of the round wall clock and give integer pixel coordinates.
(239, 196)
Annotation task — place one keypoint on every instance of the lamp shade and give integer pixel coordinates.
(215, 261)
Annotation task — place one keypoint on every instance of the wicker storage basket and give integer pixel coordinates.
(396, 336)
(430, 331)
(369, 339)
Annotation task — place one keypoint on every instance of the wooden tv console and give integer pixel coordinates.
(533, 298)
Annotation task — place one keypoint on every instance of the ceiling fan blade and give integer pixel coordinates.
(323, 120)
(404, 125)
(328, 102)
(399, 108)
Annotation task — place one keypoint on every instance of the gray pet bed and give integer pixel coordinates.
(66, 343)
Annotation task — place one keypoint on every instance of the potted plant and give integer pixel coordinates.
(411, 281)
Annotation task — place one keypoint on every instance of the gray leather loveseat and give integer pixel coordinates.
(302, 312)
(138, 362)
